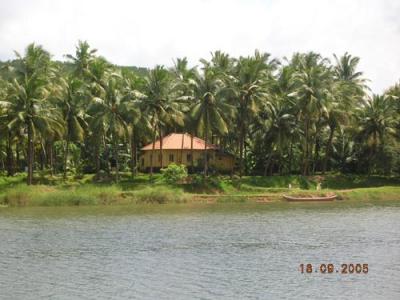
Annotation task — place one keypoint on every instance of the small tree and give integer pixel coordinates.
(174, 173)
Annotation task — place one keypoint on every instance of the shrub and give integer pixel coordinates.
(174, 173)
(63, 198)
(16, 198)
(236, 181)
(159, 195)
(205, 184)
(197, 180)
(304, 183)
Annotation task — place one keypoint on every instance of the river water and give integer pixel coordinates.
(70, 253)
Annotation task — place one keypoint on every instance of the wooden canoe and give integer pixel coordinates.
(323, 198)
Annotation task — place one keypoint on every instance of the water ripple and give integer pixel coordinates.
(232, 255)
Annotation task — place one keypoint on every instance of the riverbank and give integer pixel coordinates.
(53, 191)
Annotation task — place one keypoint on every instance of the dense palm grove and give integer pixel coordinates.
(302, 115)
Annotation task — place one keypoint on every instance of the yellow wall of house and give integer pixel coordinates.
(221, 162)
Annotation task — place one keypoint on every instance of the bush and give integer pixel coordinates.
(236, 181)
(304, 183)
(15, 199)
(197, 180)
(160, 195)
(205, 184)
(174, 173)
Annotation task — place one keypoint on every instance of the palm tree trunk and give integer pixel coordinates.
(110, 154)
(183, 141)
(279, 146)
(371, 161)
(317, 148)
(306, 148)
(161, 148)
(205, 147)
(24, 160)
(267, 164)
(136, 160)
(66, 152)
(152, 156)
(10, 155)
(17, 160)
(115, 150)
(328, 150)
(97, 154)
(42, 156)
(47, 148)
(271, 168)
(191, 153)
(244, 156)
(51, 154)
(152, 150)
(241, 146)
(133, 155)
(29, 178)
(98, 140)
(290, 157)
(205, 153)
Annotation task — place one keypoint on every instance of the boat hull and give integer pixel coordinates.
(309, 199)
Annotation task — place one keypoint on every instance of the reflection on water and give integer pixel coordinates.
(233, 254)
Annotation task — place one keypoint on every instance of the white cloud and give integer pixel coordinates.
(145, 33)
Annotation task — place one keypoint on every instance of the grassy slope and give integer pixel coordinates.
(55, 192)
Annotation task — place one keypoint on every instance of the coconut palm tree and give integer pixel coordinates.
(3, 127)
(161, 105)
(138, 124)
(183, 75)
(348, 90)
(84, 56)
(71, 97)
(346, 70)
(99, 72)
(109, 115)
(210, 109)
(28, 94)
(4, 130)
(220, 62)
(278, 129)
(309, 113)
(394, 94)
(376, 123)
(184, 78)
(282, 110)
(248, 83)
(312, 81)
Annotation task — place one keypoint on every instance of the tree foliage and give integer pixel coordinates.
(305, 114)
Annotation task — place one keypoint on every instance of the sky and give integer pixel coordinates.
(150, 32)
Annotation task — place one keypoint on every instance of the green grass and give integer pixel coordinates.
(375, 193)
(54, 191)
(338, 182)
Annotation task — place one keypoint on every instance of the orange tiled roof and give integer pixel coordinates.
(173, 141)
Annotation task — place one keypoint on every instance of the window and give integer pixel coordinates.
(189, 157)
(171, 157)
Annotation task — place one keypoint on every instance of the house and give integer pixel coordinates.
(177, 148)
